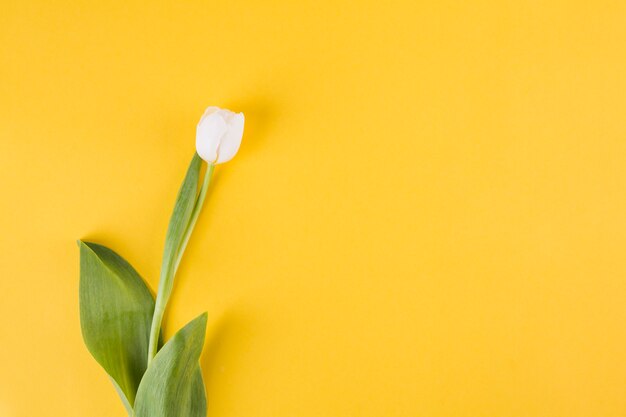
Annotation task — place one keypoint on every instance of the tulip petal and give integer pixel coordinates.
(210, 110)
(232, 139)
(209, 133)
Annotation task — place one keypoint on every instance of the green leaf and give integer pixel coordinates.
(116, 309)
(172, 386)
(174, 239)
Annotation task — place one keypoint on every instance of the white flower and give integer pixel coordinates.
(219, 134)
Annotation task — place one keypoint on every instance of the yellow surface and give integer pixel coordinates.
(427, 216)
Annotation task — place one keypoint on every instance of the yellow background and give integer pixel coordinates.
(427, 216)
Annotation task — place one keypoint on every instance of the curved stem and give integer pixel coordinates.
(161, 301)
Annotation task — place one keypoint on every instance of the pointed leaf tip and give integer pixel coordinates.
(172, 385)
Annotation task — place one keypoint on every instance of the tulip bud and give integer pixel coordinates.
(219, 134)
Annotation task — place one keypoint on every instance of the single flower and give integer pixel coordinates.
(219, 134)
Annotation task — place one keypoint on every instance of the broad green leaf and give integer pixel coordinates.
(174, 239)
(172, 386)
(116, 310)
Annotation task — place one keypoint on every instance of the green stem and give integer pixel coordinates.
(195, 213)
(161, 301)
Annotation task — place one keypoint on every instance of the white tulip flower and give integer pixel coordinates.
(219, 134)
